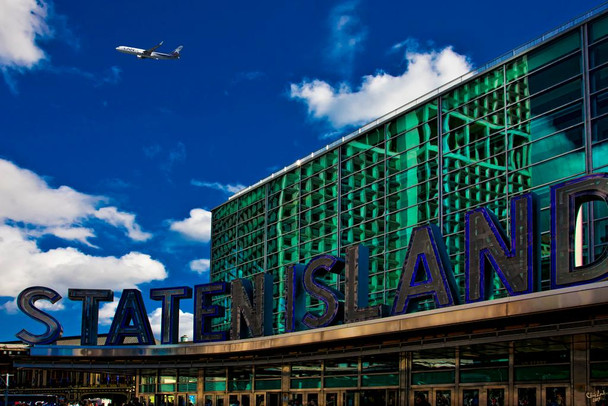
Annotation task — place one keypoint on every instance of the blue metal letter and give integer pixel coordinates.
(130, 320)
(169, 322)
(295, 299)
(486, 249)
(90, 299)
(204, 311)
(330, 297)
(566, 200)
(356, 284)
(25, 302)
(426, 250)
(251, 310)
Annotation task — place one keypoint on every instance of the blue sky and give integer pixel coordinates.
(109, 165)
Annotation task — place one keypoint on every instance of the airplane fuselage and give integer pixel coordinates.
(141, 53)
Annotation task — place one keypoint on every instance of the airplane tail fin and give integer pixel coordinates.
(177, 50)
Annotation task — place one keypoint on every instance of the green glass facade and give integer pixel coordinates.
(537, 119)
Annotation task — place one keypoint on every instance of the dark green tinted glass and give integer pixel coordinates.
(599, 104)
(484, 375)
(599, 79)
(341, 382)
(215, 386)
(599, 370)
(598, 54)
(268, 385)
(380, 380)
(554, 50)
(598, 29)
(556, 73)
(430, 378)
(311, 383)
(542, 373)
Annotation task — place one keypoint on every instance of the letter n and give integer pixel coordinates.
(487, 249)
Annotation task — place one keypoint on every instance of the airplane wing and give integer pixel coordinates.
(149, 51)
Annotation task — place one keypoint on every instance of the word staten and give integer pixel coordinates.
(426, 273)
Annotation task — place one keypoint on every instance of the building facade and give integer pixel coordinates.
(531, 120)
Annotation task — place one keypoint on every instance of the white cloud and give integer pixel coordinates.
(186, 321)
(22, 22)
(196, 227)
(201, 266)
(23, 264)
(228, 188)
(347, 35)
(80, 234)
(107, 312)
(27, 198)
(125, 220)
(11, 307)
(380, 93)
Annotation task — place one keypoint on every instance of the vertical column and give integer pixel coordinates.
(440, 163)
(137, 383)
(511, 394)
(200, 387)
(404, 378)
(580, 378)
(285, 383)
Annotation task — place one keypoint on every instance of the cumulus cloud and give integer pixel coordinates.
(228, 188)
(380, 93)
(22, 22)
(23, 264)
(27, 198)
(196, 227)
(200, 266)
(124, 220)
(107, 311)
(186, 323)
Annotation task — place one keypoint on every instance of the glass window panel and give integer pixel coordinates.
(598, 29)
(599, 104)
(559, 168)
(340, 367)
(341, 382)
(600, 129)
(555, 97)
(473, 89)
(600, 155)
(484, 355)
(599, 370)
(598, 54)
(433, 359)
(534, 352)
(380, 380)
(306, 369)
(553, 50)
(542, 373)
(548, 147)
(599, 79)
(554, 74)
(549, 123)
(310, 383)
(484, 375)
(431, 378)
(268, 384)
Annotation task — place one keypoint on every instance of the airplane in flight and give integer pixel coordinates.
(150, 53)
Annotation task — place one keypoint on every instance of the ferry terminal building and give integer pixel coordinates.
(529, 121)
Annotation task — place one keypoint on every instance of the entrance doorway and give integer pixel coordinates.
(364, 397)
(433, 396)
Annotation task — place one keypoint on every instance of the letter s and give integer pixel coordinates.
(25, 301)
